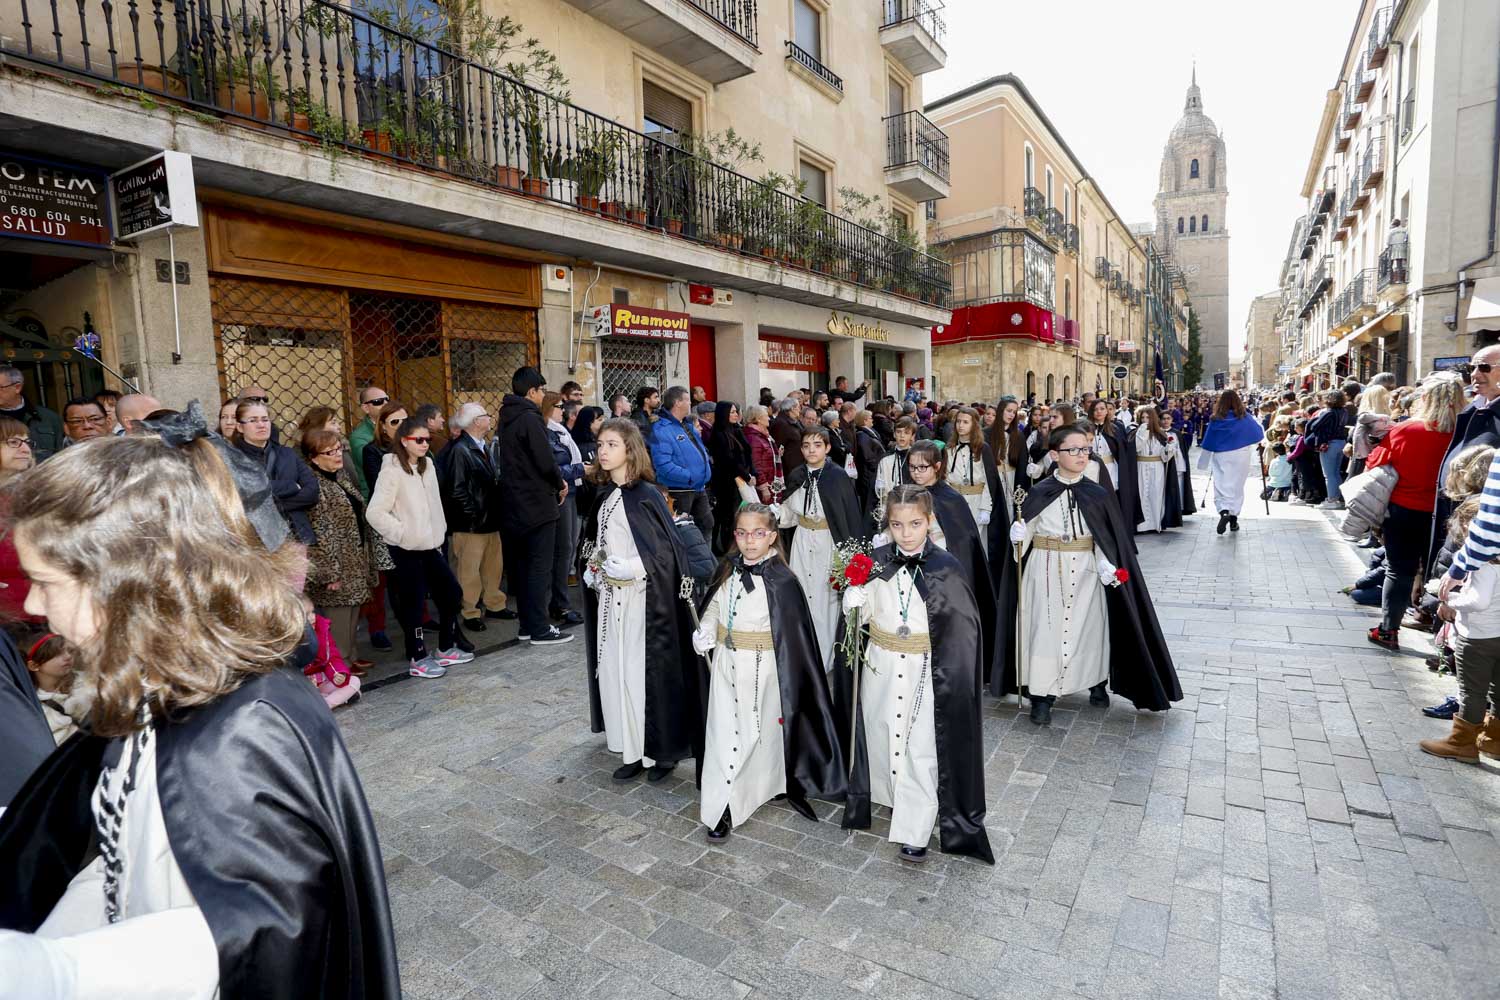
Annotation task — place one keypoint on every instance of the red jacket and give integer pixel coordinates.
(1416, 452)
(763, 456)
(13, 596)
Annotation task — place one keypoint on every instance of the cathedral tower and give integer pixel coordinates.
(1190, 222)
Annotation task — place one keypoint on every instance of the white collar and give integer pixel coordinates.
(1063, 477)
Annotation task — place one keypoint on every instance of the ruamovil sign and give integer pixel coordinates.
(638, 321)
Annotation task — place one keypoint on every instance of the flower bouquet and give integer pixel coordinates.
(852, 566)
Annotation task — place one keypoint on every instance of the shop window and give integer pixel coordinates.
(816, 180)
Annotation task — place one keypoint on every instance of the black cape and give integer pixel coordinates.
(811, 735)
(1171, 511)
(1129, 494)
(269, 825)
(1140, 665)
(676, 692)
(868, 451)
(961, 537)
(953, 623)
(840, 503)
(25, 737)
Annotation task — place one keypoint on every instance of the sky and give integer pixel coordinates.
(1113, 76)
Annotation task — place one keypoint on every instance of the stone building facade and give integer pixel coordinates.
(1191, 223)
(1262, 342)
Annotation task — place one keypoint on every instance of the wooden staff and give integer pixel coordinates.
(1019, 497)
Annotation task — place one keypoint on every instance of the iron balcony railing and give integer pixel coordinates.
(1317, 283)
(911, 138)
(1003, 265)
(1379, 38)
(739, 16)
(810, 62)
(1102, 267)
(923, 12)
(1392, 269)
(1360, 291)
(334, 77)
(1055, 224)
(1070, 238)
(1372, 168)
(1034, 205)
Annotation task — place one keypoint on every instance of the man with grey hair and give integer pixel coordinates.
(786, 432)
(46, 426)
(1385, 379)
(681, 460)
(471, 504)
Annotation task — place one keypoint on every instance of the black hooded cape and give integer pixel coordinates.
(840, 503)
(1140, 665)
(269, 825)
(961, 537)
(676, 692)
(811, 735)
(953, 624)
(25, 737)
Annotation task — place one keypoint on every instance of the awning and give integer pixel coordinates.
(1368, 330)
(1484, 306)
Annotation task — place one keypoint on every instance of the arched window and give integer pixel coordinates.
(1205, 223)
(1030, 167)
(1192, 223)
(1193, 170)
(1179, 225)
(1067, 387)
(1030, 384)
(1051, 385)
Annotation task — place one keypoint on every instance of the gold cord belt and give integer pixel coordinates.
(1149, 458)
(757, 642)
(1106, 459)
(968, 490)
(614, 582)
(815, 523)
(1052, 543)
(918, 643)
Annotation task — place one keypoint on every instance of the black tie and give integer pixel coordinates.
(748, 573)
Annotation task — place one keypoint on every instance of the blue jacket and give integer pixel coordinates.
(679, 456)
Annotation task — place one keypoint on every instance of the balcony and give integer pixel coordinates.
(630, 198)
(806, 62)
(1341, 143)
(1360, 303)
(1324, 202)
(1056, 227)
(1378, 45)
(1102, 268)
(1363, 82)
(916, 157)
(1070, 239)
(1372, 168)
(912, 33)
(1317, 283)
(1353, 109)
(1034, 207)
(1003, 265)
(1391, 274)
(716, 39)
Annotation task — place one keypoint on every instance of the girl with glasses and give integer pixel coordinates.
(1088, 623)
(770, 729)
(406, 509)
(292, 483)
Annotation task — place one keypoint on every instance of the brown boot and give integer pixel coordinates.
(1489, 737)
(1458, 744)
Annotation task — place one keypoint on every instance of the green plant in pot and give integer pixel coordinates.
(767, 215)
(595, 162)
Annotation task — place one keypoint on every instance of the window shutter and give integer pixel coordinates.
(665, 109)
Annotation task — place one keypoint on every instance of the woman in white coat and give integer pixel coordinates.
(1154, 448)
(406, 510)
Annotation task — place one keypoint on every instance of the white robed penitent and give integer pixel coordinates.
(1151, 458)
(1066, 644)
(622, 638)
(811, 560)
(967, 476)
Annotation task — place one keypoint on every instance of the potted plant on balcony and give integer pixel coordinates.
(593, 163)
(764, 214)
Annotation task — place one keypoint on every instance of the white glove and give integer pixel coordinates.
(776, 511)
(854, 598)
(591, 578)
(882, 538)
(617, 568)
(704, 640)
(984, 518)
(1033, 470)
(1107, 572)
(1017, 531)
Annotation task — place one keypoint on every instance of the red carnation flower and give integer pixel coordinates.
(859, 569)
(1123, 575)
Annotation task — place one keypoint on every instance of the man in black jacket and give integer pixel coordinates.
(842, 394)
(786, 432)
(471, 503)
(531, 489)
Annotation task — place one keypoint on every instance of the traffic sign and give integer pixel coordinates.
(1121, 373)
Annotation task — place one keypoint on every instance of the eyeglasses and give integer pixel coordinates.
(81, 421)
(256, 420)
(393, 421)
(758, 534)
(913, 466)
(9, 385)
(380, 401)
(418, 440)
(18, 443)
(255, 399)
(1482, 368)
(331, 453)
(1075, 452)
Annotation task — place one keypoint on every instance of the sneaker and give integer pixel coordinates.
(448, 657)
(1299, 502)
(551, 637)
(1447, 710)
(427, 667)
(1331, 505)
(379, 640)
(1382, 638)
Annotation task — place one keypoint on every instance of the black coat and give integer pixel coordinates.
(529, 480)
(25, 737)
(1140, 665)
(676, 690)
(293, 485)
(730, 452)
(961, 538)
(370, 458)
(812, 735)
(953, 622)
(268, 824)
(1475, 425)
(787, 432)
(1122, 445)
(840, 504)
(868, 451)
(471, 495)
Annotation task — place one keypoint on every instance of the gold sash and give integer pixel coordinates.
(1149, 458)
(918, 643)
(613, 582)
(758, 642)
(972, 489)
(1052, 543)
(815, 523)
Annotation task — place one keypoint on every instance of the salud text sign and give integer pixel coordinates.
(53, 202)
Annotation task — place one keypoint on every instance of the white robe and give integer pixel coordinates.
(1105, 457)
(1152, 476)
(1066, 621)
(744, 758)
(811, 560)
(888, 475)
(966, 468)
(161, 948)
(621, 632)
(896, 702)
(1229, 470)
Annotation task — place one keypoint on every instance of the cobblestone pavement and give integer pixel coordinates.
(1277, 834)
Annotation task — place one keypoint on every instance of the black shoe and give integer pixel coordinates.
(629, 771)
(1041, 711)
(916, 855)
(1223, 521)
(1098, 695)
(475, 624)
(504, 614)
(659, 771)
(1234, 522)
(461, 642)
(551, 637)
(802, 806)
(570, 619)
(721, 831)
(379, 640)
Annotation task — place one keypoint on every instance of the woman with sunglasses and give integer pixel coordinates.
(407, 511)
(15, 458)
(372, 455)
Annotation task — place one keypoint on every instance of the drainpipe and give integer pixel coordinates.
(1494, 202)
